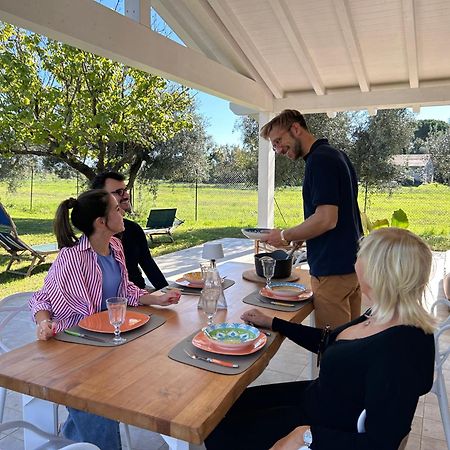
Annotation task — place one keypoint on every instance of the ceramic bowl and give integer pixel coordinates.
(231, 335)
(255, 233)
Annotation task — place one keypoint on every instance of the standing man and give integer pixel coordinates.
(134, 242)
(332, 224)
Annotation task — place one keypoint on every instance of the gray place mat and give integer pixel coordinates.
(256, 299)
(196, 291)
(245, 361)
(154, 322)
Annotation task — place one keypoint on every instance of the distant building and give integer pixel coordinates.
(417, 169)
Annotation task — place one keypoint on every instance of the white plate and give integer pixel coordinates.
(255, 233)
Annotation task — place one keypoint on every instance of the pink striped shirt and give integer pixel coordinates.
(73, 286)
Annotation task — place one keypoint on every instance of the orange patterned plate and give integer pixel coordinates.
(99, 322)
(286, 291)
(203, 343)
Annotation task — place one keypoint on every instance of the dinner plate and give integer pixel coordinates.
(99, 322)
(255, 233)
(186, 283)
(296, 293)
(203, 343)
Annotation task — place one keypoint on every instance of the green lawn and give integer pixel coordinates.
(220, 213)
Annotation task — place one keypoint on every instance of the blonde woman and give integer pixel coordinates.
(382, 362)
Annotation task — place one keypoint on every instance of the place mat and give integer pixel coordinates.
(256, 299)
(195, 291)
(245, 361)
(154, 322)
(251, 275)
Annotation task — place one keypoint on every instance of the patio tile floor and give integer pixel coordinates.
(289, 364)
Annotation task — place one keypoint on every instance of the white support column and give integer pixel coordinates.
(266, 177)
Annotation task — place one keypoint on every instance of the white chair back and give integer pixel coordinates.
(441, 355)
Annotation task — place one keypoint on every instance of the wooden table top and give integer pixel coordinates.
(137, 383)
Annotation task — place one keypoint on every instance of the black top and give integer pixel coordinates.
(330, 179)
(384, 374)
(136, 251)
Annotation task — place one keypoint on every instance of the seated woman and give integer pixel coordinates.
(85, 273)
(381, 362)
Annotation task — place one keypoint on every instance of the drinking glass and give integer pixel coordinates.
(117, 308)
(210, 294)
(204, 267)
(268, 266)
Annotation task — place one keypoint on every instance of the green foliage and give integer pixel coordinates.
(438, 145)
(377, 138)
(87, 111)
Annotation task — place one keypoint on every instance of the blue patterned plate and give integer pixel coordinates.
(255, 233)
(231, 335)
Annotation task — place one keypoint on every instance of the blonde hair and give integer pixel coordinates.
(397, 266)
(284, 120)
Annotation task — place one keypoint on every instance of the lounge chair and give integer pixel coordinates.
(18, 249)
(162, 221)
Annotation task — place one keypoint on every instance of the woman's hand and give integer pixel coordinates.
(170, 298)
(257, 318)
(45, 329)
(293, 441)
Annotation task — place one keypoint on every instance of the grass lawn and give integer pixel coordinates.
(220, 213)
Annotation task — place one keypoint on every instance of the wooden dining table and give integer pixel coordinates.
(137, 383)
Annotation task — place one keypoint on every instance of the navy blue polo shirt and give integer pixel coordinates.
(330, 179)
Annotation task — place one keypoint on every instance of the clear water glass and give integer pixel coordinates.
(268, 266)
(210, 294)
(117, 308)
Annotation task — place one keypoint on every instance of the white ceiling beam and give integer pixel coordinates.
(193, 21)
(109, 34)
(409, 24)
(244, 41)
(290, 29)
(379, 97)
(351, 41)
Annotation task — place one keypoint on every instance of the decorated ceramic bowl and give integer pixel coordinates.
(231, 335)
(255, 233)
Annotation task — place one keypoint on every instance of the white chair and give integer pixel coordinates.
(49, 441)
(10, 308)
(441, 356)
(360, 425)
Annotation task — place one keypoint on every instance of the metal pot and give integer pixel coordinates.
(283, 266)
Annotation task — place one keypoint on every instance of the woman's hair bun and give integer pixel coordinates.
(72, 202)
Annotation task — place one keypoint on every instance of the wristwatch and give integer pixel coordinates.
(307, 439)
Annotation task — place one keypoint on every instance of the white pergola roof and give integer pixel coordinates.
(266, 55)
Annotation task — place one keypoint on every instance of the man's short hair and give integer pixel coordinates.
(99, 181)
(284, 120)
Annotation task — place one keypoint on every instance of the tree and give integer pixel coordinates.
(182, 157)
(425, 129)
(377, 138)
(87, 111)
(438, 145)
